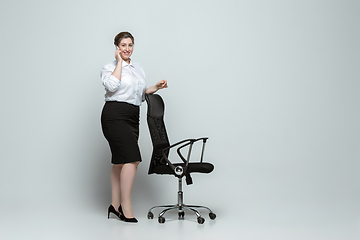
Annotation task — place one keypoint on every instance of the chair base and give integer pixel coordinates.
(180, 207)
(181, 212)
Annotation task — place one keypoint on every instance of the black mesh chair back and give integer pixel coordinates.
(159, 138)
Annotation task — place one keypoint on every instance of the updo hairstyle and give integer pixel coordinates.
(121, 36)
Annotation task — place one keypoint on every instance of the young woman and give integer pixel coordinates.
(125, 87)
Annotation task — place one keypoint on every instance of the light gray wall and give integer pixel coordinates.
(273, 84)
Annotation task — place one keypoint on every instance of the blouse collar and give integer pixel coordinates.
(124, 64)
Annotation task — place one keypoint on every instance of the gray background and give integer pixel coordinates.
(273, 84)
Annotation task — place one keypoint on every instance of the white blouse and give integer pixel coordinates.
(130, 89)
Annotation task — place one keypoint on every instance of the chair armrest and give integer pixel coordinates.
(186, 161)
(175, 144)
(179, 170)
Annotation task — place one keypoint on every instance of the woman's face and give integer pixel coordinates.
(126, 47)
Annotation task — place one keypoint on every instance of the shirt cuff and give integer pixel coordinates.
(111, 83)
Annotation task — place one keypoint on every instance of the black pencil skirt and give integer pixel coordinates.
(120, 126)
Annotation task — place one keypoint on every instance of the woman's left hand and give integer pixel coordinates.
(161, 84)
(154, 88)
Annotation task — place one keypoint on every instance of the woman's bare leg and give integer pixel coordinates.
(115, 185)
(127, 177)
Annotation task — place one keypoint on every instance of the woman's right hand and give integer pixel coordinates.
(117, 71)
(118, 55)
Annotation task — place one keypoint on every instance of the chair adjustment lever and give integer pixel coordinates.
(188, 179)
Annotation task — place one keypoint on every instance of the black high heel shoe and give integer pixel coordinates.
(111, 209)
(132, 220)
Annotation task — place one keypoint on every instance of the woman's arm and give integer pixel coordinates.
(117, 71)
(153, 89)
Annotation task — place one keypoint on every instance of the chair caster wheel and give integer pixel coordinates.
(161, 219)
(181, 215)
(200, 220)
(212, 216)
(150, 215)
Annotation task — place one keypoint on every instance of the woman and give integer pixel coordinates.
(125, 86)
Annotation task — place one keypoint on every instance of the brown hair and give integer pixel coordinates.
(121, 36)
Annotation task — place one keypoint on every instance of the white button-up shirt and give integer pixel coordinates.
(131, 88)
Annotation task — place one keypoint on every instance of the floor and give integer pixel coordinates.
(63, 222)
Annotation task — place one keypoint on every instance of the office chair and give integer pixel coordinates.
(160, 163)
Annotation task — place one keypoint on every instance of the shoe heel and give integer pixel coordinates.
(111, 209)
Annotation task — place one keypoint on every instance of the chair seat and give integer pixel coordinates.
(192, 167)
